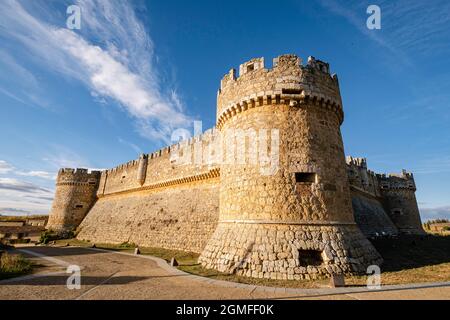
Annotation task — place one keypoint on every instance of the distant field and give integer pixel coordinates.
(14, 218)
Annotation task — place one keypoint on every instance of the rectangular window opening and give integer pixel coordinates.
(250, 67)
(79, 206)
(291, 91)
(310, 258)
(305, 177)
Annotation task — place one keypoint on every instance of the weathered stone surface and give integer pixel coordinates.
(337, 280)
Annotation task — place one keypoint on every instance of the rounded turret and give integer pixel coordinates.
(294, 221)
(398, 191)
(75, 194)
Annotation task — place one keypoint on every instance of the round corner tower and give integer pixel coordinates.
(294, 221)
(398, 191)
(76, 192)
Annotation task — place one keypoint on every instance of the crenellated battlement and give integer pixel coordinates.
(318, 65)
(78, 176)
(396, 181)
(287, 82)
(361, 178)
(357, 162)
(166, 152)
(375, 183)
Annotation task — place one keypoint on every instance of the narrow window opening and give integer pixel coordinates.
(79, 206)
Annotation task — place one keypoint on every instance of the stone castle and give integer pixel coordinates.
(310, 216)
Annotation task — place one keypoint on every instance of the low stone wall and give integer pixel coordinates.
(181, 217)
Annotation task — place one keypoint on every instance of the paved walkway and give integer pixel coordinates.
(114, 275)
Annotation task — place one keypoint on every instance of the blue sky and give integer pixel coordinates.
(99, 96)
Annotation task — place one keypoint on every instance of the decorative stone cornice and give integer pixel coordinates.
(276, 97)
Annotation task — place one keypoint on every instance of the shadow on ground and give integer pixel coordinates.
(409, 252)
(60, 251)
(58, 280)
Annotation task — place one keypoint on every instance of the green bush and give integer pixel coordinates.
(48, 236)
(13, 265)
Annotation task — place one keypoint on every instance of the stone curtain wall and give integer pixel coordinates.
(383, 203)
(371, 216)
(179, 217)
(185, 159)
(175, 206)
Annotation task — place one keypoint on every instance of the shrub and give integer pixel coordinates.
(48, 236)
(13, 265)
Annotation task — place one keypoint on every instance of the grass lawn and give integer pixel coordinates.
(409, 259)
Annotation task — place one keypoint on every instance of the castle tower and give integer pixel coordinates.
(75, 195)
(295, 220)
(398, 191)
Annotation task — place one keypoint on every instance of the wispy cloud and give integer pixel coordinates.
(17, 185)
(407, 27)
(355, 14)
(63, 157)
(133, 146)
(5, 167)
(38, 174)
(23, 86)
(118, 66)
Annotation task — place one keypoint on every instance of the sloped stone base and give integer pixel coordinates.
(288, 251)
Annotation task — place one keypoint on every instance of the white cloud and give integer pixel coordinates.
(38, 174)
(122, 71)
(18, 185)
(5, 167)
